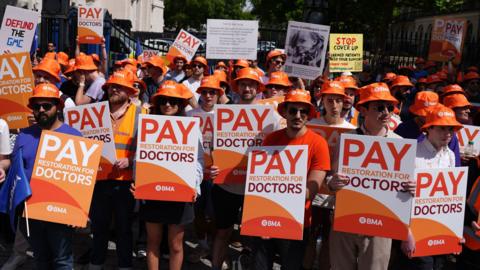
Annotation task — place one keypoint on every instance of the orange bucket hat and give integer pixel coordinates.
(49, 66)
(45, 90)
(129, 61)
(241, 63)
(348, 82)
(375, 91)
(84, 62)
(434, 78)
(172, 89)
(95, 57)
(472, 75)
(423, 102)
(333, 88)
(452, 89)
(279, 78)
(389, 76)
(220, 64)
(122, 78)
(157, 61)
(180, 56)
(210, 82)
(401, 80)
(70, 68)
(456, 101)
(201, 60)
(441, 116)
(250, 74)
(297, 96)
(422, 80)
(221, 76)
(62, 58)
(274, 53)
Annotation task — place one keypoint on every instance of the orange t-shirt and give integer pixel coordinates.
(318, 156)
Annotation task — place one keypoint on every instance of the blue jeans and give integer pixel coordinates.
(112, 198)
(51, 244)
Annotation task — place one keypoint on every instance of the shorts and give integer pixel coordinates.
(166, 212)
(226, 206)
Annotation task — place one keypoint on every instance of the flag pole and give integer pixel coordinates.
(26, 217)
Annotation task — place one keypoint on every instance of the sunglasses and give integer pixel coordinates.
(197, 66)
(381, 108)
(171, 101)
(209, 92)
(294, 111)
(45, 106)
(278, 62)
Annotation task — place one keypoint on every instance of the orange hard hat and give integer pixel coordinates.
(348, 82)
(423, 102)
(456, 101)
(297, 96)
(434, 78)
(389, 76)
(85, 62)
(45, 90)
(279, 78)
(375, 91)
(221, 76)
(401, 80)
(275, 53)
(49, 66)
(441, 116)
(157, 62)
(123, 78)
(62, 58)
(172, 89)
(452, 89)
(241, 63)
(332, 88)
(248, 74)
(211, 82)
(472, 75)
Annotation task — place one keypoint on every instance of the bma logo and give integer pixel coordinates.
(370, 221)
(436, 242)
(271, 223)
(164, 188)
(56, 209)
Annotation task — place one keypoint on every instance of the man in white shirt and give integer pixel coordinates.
(200, 68)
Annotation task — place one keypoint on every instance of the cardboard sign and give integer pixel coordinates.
(94, 122)
(232, 39)
(438, 210)
(469, 134)
(394, 122)
(90, 24)
(374, 201)
(274, 204)
(147, 54)
(185, 44)
(18, 29)
(206, 129)
(237, 128)
(306, 47)
(447, 39)
(166, 157)
(63, 178)
(16, 87)
(346, 52)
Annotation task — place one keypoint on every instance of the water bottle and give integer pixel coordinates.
(469, 151)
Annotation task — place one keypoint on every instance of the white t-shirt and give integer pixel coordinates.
(95, 91)
(5, 148)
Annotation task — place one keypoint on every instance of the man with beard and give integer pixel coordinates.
(401, 89)
(177, 74)
(112, 196)
(51, 242)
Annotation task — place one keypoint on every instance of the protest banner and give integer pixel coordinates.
(274, 204)
(16, 87)
(206, 128)
(346, 52)
(447, 39)
(166, 158)
(469, 134)
(90, 24)
(18, 29)
(63, 178)
(232, 39)
(374, 201)
(147, 54)
(236, 129)
(94, 122)
(185, 44)
(438, 207)
(306, 47)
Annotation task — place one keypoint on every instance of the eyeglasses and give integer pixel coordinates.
(45, 106)
(381, 108)
(171, 101)
(209, 92)
(278, 62)
(197, 66)
(136, 85)
(294, 111)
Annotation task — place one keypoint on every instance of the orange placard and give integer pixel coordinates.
(274, 204)
(206, 128)
(63, 178)
(166, 157)
(90, 25)
(438, 207)
(16, 86)
(237, 128)
(447, 39)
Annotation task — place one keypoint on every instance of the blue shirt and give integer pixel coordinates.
(410, 130)
(29, 138)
